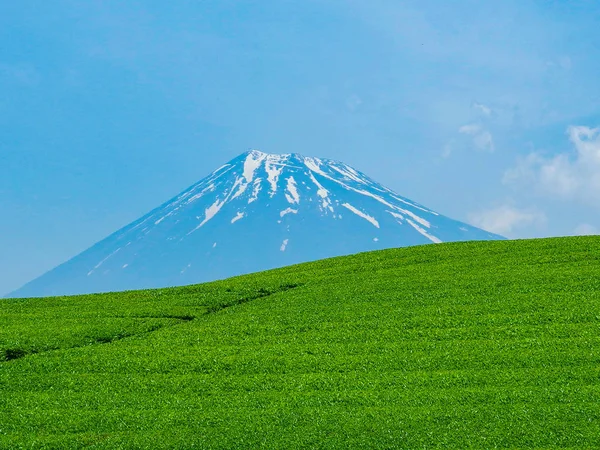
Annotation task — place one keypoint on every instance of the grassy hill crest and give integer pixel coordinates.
(478, 344)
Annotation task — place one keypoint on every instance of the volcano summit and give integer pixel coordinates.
(256, 212)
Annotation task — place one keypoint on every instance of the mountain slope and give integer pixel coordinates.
(258, 211)
(462, 345)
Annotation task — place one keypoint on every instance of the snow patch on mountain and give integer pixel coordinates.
(255, 191)
(209, 213)
(97, 266)
(292, 195)
(288, 211)
(361, 214)
(274, 166)
(423, 232)
(238, 216)
(399, 217)
(252, 163)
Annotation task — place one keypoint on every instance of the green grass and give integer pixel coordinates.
(481, 344)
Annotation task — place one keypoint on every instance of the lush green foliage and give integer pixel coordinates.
(481, 344)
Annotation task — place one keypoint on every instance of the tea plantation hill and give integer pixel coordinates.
(476, 344)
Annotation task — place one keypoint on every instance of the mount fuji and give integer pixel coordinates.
(256, 212)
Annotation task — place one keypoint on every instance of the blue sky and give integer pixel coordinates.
(484, 111)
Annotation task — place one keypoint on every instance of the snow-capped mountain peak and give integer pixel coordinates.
(299, 180)
(256, 212)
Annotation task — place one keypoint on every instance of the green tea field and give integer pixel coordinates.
(466, 345)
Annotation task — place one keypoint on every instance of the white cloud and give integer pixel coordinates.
(483, 109)
(569, 175)
(482, 138)
(471, 129)
(585, 229)
(505, 219)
